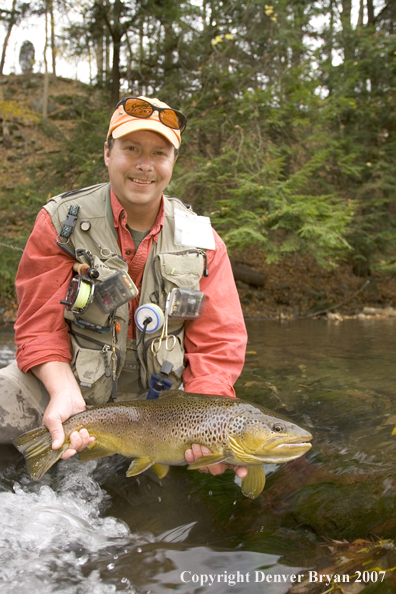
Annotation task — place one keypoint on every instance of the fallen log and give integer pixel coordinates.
(245, 273)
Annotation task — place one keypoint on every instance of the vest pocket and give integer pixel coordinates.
(183, 270)
(154, 362)
(89, 367)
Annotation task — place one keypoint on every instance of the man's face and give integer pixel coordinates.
(140, 167)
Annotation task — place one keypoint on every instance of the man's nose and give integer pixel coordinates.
(144, 162)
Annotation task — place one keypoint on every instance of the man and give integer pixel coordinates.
(71, 349)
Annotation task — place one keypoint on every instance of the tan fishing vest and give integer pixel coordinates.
(168, 266)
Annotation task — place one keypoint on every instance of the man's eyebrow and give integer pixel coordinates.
(161, 146)
(129, 141)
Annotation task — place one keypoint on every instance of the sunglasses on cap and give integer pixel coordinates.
(139, 108)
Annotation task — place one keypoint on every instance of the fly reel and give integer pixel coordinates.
(79, 295)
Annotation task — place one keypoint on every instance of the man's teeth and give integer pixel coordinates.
(139, 181)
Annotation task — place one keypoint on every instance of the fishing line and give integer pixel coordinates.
(148, 318)
(79, 295)
(149, 310)
(83, 295)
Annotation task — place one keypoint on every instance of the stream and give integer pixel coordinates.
(324, 522)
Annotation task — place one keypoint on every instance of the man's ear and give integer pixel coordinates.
(106, 153)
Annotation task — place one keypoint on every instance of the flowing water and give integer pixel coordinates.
(86, 528)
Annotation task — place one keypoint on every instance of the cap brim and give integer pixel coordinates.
(134, 125)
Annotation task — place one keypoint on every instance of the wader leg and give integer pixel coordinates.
(23, 400)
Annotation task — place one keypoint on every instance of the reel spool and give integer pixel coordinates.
(79, 295)
(144, 313)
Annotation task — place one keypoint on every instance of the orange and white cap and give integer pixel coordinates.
(122, 123)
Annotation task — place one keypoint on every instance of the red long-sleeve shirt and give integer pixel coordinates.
(215, 344)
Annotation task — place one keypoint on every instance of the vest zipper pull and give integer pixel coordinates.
(105, 352)
(205, 257)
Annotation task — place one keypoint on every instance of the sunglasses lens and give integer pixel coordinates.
(138, 108)
(170, 118)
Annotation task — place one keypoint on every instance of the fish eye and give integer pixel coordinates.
(277, 427)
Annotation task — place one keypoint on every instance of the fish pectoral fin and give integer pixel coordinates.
(139, 465)
(254, 482)
(160, 470)
(207, 461)
(94, 451)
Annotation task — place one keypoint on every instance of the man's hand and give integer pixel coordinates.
(65, 400)
(197, 451)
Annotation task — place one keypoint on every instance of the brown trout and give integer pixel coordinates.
(156, 433)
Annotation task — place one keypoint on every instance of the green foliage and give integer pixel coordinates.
(81, 163)
(18, 211)
(290, 144)
(251, 202)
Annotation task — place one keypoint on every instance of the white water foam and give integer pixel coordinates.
(53, 538)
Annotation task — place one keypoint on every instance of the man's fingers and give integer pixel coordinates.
(57, 435)
(79, 440)
(240, 471)
(189, 456)
(68, 454)
(197, 451)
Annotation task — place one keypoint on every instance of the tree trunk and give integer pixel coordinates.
(347, 29)
(370, 12)
(298, 26)
(330, 84)
(116, 35)
(129, 63)
(99, 54)
(99, 45)
(115, 72)
(53, 47)
(141, 58)
(11, 23)
(45, 86)
(360, 21)
(107, 54)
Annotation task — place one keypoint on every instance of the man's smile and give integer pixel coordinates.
(141, 181)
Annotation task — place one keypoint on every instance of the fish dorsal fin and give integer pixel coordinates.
(94, 451)
(139, 465)
(254, 482)
(240, 453)
(174, 393)
(207, 461)
(160, 470)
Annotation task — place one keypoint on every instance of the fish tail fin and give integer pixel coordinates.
(35, 445)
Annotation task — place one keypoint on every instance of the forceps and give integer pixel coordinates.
(170, 340)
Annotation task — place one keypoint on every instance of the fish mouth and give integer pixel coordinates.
(298, 442)
(286, 450)
(293, 443)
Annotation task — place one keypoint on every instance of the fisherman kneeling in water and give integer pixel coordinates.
(122, 291)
